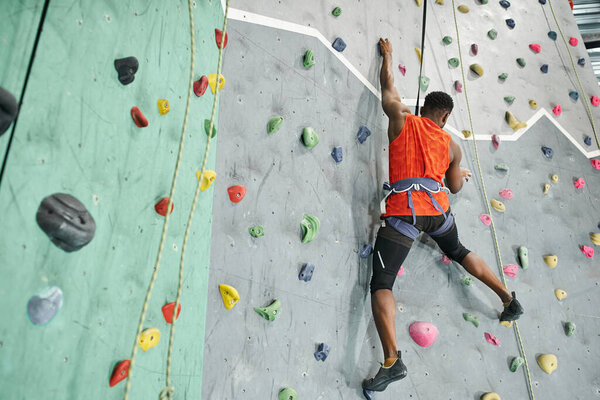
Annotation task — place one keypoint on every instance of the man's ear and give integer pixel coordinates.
(445, 117)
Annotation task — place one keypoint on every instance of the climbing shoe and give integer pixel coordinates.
(512, 311)
(385, 376)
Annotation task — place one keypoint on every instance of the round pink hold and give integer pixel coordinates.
(401, 271)
(446, 260)
(579, 183)
(595, 163)
(491, 339)
(506, 194)
(573, 41)
(511, 270)
(595, 101)
(557, 110)
(423, 333)
(588, 251)
(486, 219)
(535, 48)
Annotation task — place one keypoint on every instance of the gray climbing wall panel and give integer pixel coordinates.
(252, 358)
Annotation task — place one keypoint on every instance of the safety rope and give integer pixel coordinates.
(586, 101)
(489, 211)
(424, 25)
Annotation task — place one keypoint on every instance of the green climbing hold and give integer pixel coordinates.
(467, 280)
(483, 1)
(516, 363)
(447, 40)
(552, 35)
(476, 68)
(309, 59)
(424, 83)
(569, 329)
(270, 312)
(336, 13)
(453, 62)
(524, 257)
(257, 231)
(471, 318)
(509, 99)
(501, 167)
(274, 124)
(492, 34)
(503, 76)
(310, 227)
(521, 61)
(309, 137)
(207, 128)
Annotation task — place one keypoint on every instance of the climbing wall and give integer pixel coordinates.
(75, 135)
(252, 358)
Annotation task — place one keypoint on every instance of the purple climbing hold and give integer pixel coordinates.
(588, 140)
(8, 109)
(581, 61)
(504, 3)
(544, 68)
(548, 152)
(366, 251)
(337, 154)
(511, 23)
(474, 49)
(339, 44)
(306, 272)
(423, 333)
(322, 352)
(363, 133)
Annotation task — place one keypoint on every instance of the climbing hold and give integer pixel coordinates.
(503, 76)
(492, 34)
(560, 294)
(163, 106)
(363, 133)
(309, 59)
(207, 128)
(8, 109)
(336, 12)
(287, 394)
(126, 68)
(149, 338)
(322, 352)
(546, 188)
(504, 3)
(440, 2)
(516, 363)
(270, 312)
(573, 41)
(483, 1)
(167, 311)
(274, 124)
(554, 178)
(447, 40)
(595, 163)
(463, 9)
(551, 261)
(511, 270)
(138, 118)
(306, 272)
(200, 86)
(501, 167)
(236, 193)
(588, 251)
(536, 48)
(497, 205)
(337, 154)
(212, 82)
(207, 180)
(366, 251)
(120, 372)
(544, 68)
(524, 257)
(424, 83)
(230, 296)
(466, 133)
(419, 55)
(418, 3)
(453, 62)
(402, 69)
(552, 35)
(513, 122)
(490, 395)
(510, 23)
(467, 280)
(309, 137)
(548, 152)
(533, 104)
(458, 86)
(472, 319)
(256, 231)
(446, 260)
(509, 99)
(547, 362)
(491, 339)
(339, 44)
(574, 95)
(595, 101)
(477, 69)
(219, 38)
(507, 324)
(161, 206)
(569, 329)
(506, 194)
(579, 183)
(310, 228)
(423, 333)
(474, 49)
(595, 238)
(401, 271)
(486, 219)
(587, 140)
(581, 61)
(521, 62)
(41, 308)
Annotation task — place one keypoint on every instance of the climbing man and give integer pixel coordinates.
(421, 153)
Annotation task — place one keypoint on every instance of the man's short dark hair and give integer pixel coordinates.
(439, 101)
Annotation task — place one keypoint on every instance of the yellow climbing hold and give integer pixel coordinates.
(212, 81)
(466, 133)
(507, 324)
(149, 338)
(497, 205)
(163, 106)
(207, 180)
(546, 188)
(419, 55)
(560, 294)
(547, 362)
(463, 9)
(230, 296)
(595, 238)
(533, 104)
(478, 69)
(513, 122)
(418, 3)
(554, 178)
(490, 396)
(551, 261)
(441, 2)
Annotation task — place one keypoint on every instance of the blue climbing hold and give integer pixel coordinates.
(574, 95)
(322, 352)
(504, 3)
(544, 68)
(337, 154)
(339, 44)
(511, 23)
(548, 152)
(366, 251)
(542, 1)
(363, 133)
(552, 35)
(581, 61)
(588, 140)
(306, 272)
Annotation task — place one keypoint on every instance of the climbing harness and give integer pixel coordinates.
(421, 56)
(485, 196)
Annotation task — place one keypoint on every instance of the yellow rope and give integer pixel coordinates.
(485, 196)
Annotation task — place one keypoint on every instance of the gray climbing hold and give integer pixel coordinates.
(548, 152)
(588, 140)
(544, 68)
(574, 95)
(510, 23)
(501, 167)
(363, 133)
(337, 154)
(66, 221)
(552, 35)
(516, 363)
(322, 352)
(366, 251)
(8, 109)
(569, 329)
(467, 280)
(126, 68)
(306, 272)
(472, 319)
(43, 307)
(339, 44)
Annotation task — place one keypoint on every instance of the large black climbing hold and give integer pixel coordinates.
(581, 61)
(363, 133)
(8, 109)
(366, 251)
(66, 221)
(322, 352)
(548, 152)
(337, 154)
(306, 272)
(552, 35)
(126, 68)
(339, 44)
(588, 140)
(511, 23)
(544, 68)
(504, 3)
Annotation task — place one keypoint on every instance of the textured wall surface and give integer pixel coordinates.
(247, 357)
(75, 135)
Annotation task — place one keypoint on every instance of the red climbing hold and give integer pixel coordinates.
(496, 140)
(167, 311)
(579, 183)
(120, 372)
(557, 110)
(219, 38)
(474, 49)
(138, 117)
(236, 193)
(458, 86)
(536, 48)
(595, 163)
(588, 251)
(446, 260)
(161, 206)
(595, 101)
(200, 86)
(402, 69)
(573, 41)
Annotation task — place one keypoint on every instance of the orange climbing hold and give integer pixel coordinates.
(219, 38)
(120, 372)
(161, 206)
(236, 193)
(167, 311)
(139, 118)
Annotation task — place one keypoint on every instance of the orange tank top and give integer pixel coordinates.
(420, 151)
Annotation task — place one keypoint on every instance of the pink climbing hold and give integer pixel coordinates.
(401, 271)
(446, 259)
(402, 69)
(536, 48)
(458, 86)
(474, 49)
(573, 41)
(595, 163)
(557, 110)
(588, 251)
(506, 194)
(511, 270)
(423, 333)
(595, 101)
(496, 140)
(579, 183)
(486, 219)
(491, 339)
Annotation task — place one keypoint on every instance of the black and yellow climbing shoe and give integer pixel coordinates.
(512, 311)
(385, 376)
